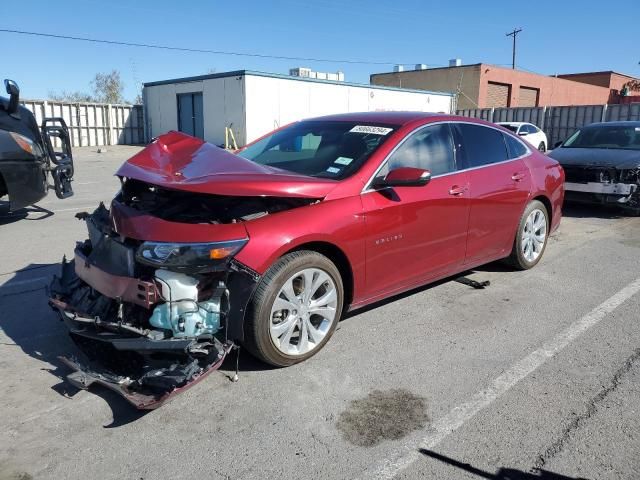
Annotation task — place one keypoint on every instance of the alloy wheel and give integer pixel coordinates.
(303, 312)
(534, 235)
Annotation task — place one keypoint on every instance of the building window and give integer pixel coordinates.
(528, 97)
(498, 95)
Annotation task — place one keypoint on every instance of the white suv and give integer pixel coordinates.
(529, 132)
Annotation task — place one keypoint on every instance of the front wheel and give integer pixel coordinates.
(295, 310)
(531, 238)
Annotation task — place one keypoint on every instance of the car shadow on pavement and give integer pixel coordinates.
(502, 474)
(30, 324)
(32, 212)
(491, 267)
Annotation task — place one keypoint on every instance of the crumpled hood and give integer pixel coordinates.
(598, 157)
(182, 162)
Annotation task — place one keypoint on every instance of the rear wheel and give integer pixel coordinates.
(542, 147)
(295, 310)
(531, 237)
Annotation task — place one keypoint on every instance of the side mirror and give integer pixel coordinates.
(557, 144)
(523, 134)
(14, 95)
(403, 177)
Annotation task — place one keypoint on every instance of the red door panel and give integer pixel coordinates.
(415, 233)
(498, 195)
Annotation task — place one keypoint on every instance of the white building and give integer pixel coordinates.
(254, 103)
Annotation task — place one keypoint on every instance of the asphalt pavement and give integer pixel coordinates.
(536, 376)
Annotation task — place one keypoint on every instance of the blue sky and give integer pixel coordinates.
(558, 37)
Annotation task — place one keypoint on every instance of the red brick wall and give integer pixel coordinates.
(553, 91)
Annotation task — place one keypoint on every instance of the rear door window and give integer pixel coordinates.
(482, 145)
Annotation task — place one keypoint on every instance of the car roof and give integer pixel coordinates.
(392, 118)
(626, 123)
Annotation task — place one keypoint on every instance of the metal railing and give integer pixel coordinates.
(558, 122)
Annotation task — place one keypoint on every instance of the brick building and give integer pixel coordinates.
(483, 85)
(609, 79)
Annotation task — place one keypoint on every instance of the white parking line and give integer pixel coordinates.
(457, 417)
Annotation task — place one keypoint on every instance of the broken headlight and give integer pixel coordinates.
(188, 255)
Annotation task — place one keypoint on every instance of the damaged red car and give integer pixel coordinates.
(203, 249)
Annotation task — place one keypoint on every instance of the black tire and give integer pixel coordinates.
(542, 147)
(517, 259)
(258, 322)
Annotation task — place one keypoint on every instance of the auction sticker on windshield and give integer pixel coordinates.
(371, 129)
(343, 160)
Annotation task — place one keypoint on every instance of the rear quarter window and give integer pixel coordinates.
(516, 147)
(482, 145)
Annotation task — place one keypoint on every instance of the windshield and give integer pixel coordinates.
(605, 136)
(319, 149)
(513, 128)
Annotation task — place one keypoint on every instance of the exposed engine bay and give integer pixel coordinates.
(147, 331)
(190, 207)
(604, 184)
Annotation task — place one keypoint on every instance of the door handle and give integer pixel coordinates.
(457, 190)
(517, 177)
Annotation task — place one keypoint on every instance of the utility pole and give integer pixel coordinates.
(514, 34)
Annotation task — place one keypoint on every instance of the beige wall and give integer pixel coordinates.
(437, 80)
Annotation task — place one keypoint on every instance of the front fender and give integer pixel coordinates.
(339, 223)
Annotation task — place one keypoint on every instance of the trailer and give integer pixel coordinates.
(241, 106)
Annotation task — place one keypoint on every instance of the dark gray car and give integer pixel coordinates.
(602, 164)
(27, 156)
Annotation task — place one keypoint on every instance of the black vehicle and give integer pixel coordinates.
(27, 155)
(602, 164)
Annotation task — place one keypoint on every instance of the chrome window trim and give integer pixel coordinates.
(368, 188)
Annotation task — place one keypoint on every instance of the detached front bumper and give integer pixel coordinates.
(107, 303)
(84, 376)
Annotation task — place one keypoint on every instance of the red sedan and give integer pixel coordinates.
(203, 249)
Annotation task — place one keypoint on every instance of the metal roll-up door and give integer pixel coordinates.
(497, 95)
(528, 97)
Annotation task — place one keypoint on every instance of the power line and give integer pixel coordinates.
(192, 50)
